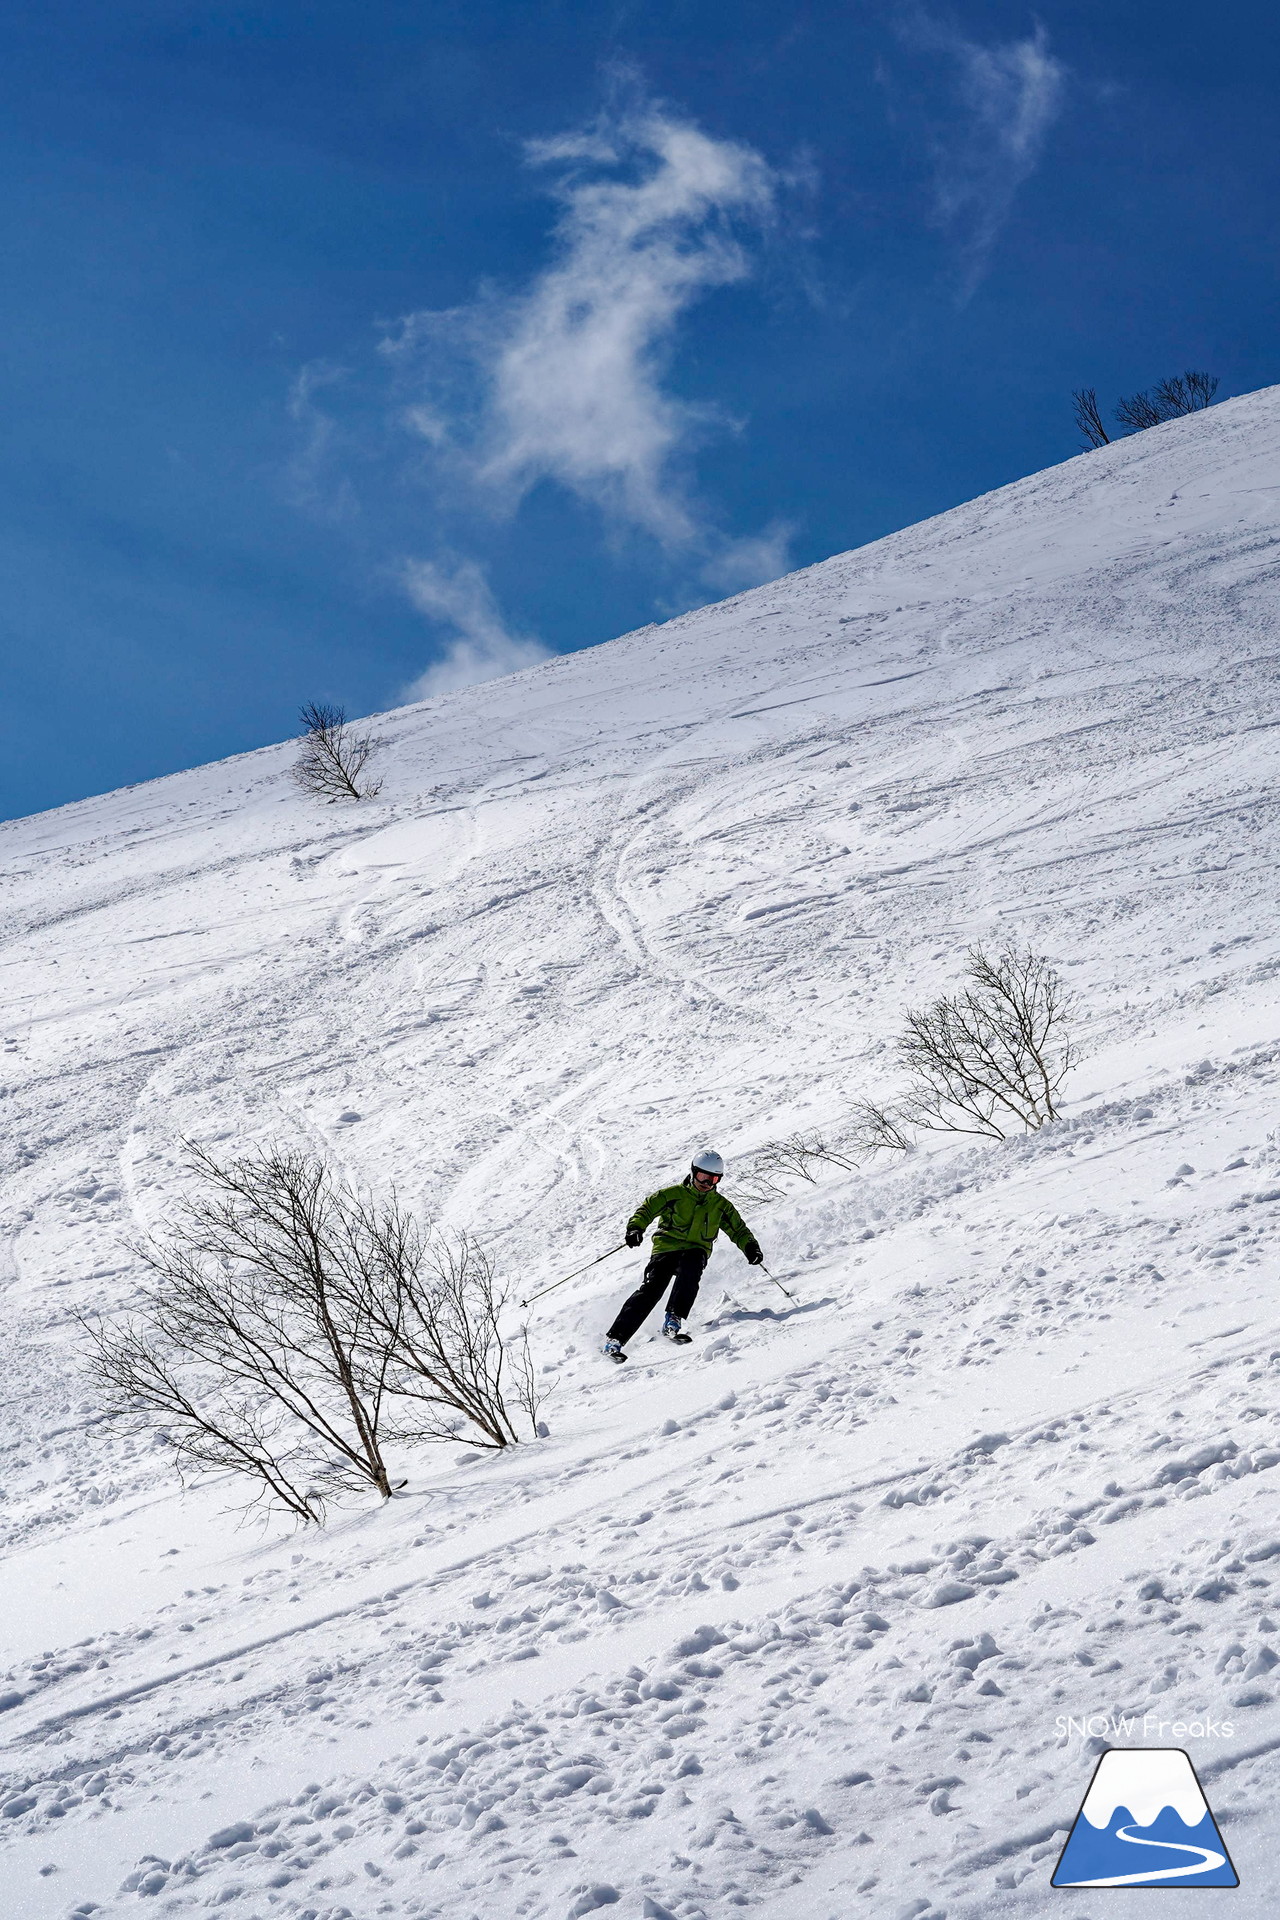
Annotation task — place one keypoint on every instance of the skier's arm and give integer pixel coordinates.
(647, 1210)
(740, 1233)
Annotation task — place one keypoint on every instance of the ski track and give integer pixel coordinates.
(784, 1623)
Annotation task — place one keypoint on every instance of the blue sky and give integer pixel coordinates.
(352, 351)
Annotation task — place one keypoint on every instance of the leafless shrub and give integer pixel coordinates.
(1138, 412)
(1187, 393)
(875, 1129)
(1089, 417)
(212, 1421)
(333, 758)
(293, 1328)
(253, 1343)
(760, 1177)
(1182, 393)
(440, 1312)
(992, 1058)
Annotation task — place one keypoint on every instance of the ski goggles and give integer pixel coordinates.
(700, 1173)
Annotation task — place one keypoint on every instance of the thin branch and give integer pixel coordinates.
(1089, 418)
(760, 1178)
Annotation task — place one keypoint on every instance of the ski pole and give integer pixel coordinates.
(573, 1276)
(778, 1284)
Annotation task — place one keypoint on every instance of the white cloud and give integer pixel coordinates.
(739, 564)
(459, 597)
(571, 370)
(315, 482)
(565, 380)
(1011, 94)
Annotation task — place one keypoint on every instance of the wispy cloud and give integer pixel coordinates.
(458, 597)
(313, 478)
(566, 380)
(738, 564)
(577, 393)
(1010, 94)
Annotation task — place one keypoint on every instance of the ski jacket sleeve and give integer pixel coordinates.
(735, 1226)
(649, 1209)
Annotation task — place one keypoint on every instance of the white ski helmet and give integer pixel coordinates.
(708, 1161)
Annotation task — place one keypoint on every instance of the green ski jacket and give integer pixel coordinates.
(687, 1218)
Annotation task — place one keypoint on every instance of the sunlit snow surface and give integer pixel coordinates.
(783, 1622)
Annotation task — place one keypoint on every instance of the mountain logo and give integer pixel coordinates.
(1145, 1823)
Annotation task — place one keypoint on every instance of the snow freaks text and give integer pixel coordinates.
(1147, 1726)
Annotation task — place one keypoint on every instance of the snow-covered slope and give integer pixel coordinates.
(784, 1622)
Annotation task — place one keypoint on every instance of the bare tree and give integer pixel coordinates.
(290, 1323)
(212, 1421)
(1181, 393)
(255, 1345)
(333, 756)
(873, 1129)
(1138, 412)
(1188, 392)
(759, 1178)
(1089, 418)
(440, 1309)
(992, 1058)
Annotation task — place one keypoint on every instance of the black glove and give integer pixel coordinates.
(754, 1256)
(634, 1236)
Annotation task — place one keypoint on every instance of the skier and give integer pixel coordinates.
(689, 1217)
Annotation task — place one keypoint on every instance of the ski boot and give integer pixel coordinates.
(672, 1330)
(612, 1350)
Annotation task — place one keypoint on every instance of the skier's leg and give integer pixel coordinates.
(685, 1289)
(637, 1307)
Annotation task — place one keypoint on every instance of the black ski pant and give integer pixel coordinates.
(683, 1266)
